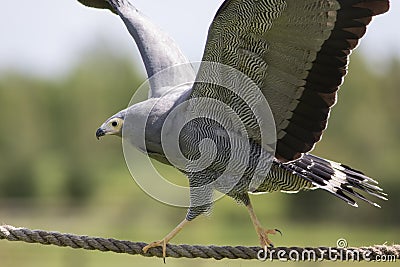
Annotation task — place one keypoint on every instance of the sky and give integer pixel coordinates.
(48, 37)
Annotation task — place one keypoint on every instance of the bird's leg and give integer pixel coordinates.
(163, 242)
(261, 232)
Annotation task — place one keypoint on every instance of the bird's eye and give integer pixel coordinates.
(114, 124)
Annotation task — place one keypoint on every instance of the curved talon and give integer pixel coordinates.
(277, 230)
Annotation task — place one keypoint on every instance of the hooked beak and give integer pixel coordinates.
(99, 133)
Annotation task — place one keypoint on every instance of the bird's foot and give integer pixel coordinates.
(261, 232)
(161, 243)
(263, 235)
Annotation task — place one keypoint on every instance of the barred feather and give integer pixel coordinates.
(312, 172)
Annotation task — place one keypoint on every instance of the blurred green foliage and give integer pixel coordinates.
(48, 142)
(55, 175)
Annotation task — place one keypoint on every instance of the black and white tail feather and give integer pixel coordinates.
(338, 179)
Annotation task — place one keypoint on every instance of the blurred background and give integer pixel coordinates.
(65, 68)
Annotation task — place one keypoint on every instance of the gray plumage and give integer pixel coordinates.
(157, 49)
(296, 53)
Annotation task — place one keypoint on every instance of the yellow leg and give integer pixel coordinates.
(163, 242)
(261, 232)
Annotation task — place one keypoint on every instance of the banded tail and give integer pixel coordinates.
(338, 179)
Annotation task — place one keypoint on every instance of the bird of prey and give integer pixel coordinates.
(296, 53)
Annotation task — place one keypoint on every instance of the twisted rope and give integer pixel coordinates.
(379, 252)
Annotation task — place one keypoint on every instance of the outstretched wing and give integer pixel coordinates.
(296, 51)
(158, 50)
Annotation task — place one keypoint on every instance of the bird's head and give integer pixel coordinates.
(112, 126)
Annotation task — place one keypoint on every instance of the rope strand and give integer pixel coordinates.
(377, 252)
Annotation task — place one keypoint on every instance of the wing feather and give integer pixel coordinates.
(296, 51)
(165, 64)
